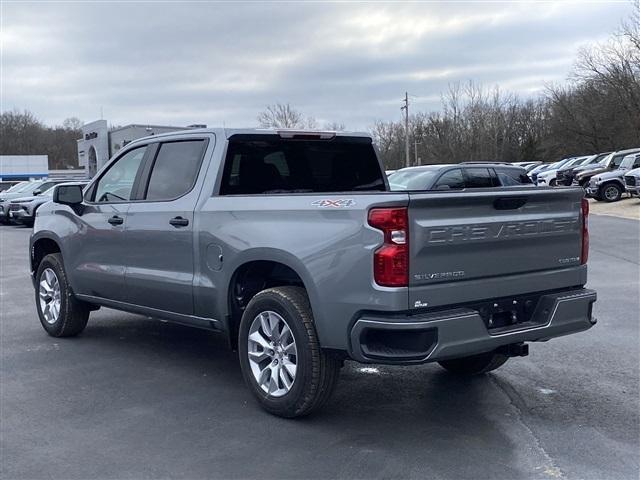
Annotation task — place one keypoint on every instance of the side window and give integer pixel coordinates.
(452, 179)
(175, 169)
(116, 184)
(617, 161)
(478, 178)
(636, 162)
(512, 177)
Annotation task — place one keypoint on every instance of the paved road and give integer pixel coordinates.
(136, 398)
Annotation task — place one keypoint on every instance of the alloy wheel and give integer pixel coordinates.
(272, 352)
(611, 193)
(49, 295)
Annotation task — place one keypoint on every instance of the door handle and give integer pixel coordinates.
(509, 203)
(179, 222)
(116, 220)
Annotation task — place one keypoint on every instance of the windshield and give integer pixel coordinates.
(583, 161)
(575, 161)
(588, 160)
(627, 162)
(607, 159)
(418, 179)
(27, 187)
(48, 191)
(17, 187)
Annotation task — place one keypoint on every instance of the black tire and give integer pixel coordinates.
(553, 182)
(610, 192)
(73, 314)
(316, 372)
(475, 364)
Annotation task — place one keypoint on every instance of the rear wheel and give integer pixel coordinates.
(475, 364)
(280, 356)
(61, 315)
(610, 192)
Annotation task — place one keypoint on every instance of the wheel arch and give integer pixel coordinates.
(41, 246)
(611, 182)
(260, 269)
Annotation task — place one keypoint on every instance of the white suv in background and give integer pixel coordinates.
(548, 177)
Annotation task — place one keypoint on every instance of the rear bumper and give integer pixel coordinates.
(461, 332)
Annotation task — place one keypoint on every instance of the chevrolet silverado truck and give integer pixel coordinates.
(292, 246)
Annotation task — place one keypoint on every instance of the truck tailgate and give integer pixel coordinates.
(495, 236)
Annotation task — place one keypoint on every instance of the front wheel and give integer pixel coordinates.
(611, 192)
(475, 364)
(280, 356)
(61, 315)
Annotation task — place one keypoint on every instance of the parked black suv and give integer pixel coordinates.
(459, 176)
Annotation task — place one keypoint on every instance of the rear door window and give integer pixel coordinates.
(451, 180)
(175, 169)
(266, 164)
(509, 177)
(479, 178)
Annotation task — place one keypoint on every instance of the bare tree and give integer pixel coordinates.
(335, 126)
(281, 115)
(72, 123)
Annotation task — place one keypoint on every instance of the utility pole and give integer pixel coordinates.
(406, 128)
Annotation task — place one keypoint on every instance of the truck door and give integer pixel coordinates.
(99, 256)
(159, 231)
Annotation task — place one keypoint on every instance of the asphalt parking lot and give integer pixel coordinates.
(137, 398)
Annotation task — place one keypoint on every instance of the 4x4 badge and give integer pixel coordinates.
(334, 203)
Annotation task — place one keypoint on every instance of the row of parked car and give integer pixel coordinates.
(604, 176)
(19, 203)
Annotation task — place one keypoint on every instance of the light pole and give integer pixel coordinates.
(405, 107)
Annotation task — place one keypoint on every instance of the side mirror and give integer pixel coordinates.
(68, 195)
(37, 192)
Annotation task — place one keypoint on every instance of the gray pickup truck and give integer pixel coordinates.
(291, 245)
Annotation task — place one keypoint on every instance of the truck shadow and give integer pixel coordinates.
(382, 421)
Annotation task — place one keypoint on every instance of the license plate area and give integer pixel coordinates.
(506, 313)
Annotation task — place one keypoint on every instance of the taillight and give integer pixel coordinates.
(391, 260)
(585, 231)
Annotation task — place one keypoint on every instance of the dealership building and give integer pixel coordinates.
(99, 143)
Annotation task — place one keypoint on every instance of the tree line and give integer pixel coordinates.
(21, 133)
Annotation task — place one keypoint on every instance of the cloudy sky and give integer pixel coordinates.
(218, 63)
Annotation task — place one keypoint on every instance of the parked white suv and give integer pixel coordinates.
(548, 177)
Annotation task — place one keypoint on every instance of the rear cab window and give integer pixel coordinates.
(269, 164)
